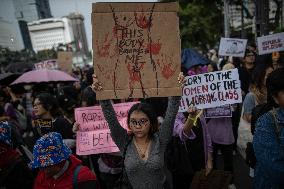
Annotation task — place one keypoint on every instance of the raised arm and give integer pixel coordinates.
(166, 129)
(118, 133)
(183, 130)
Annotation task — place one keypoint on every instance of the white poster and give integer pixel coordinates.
(232, 47)
(211, 90)
(270, 43)
(46, 64)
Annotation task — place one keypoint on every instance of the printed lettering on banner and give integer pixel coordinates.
(270, 43)
(211, 90)
(94, 134)
(47, 64)
(217, 112)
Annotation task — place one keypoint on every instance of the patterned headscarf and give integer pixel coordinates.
(49, 150)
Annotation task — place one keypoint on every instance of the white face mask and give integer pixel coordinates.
(27, 87)
(20, 107)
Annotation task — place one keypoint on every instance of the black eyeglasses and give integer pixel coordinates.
(37, 104)
(141, 122)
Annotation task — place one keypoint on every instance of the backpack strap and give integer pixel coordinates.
(275, 125)
(75, 176)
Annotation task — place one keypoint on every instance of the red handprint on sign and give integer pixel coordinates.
(165, 63)
(103, 50)
(142, 21)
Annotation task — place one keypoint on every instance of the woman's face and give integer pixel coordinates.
(38, 109)
(51, 170)
(210, 68)
(279, 98)
(139, 124)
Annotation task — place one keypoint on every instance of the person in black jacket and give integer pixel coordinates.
(14, 172)
(46, 107)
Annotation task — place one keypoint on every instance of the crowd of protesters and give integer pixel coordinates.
(164, 148)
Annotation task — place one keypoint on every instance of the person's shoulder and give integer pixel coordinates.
(250, 95)
(265, 121)
(39, 178)
(85, 174)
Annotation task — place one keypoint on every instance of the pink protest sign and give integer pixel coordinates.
(94, 134)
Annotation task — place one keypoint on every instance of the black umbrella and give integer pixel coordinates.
(7, 78)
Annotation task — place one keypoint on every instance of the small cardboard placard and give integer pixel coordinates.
(211, 90)
(47, 64)
(64, 60)
(270, 43)
(136, 49)
(232, 47)
(217, 112)
(94, 134)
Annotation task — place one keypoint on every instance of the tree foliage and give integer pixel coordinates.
(28, 56)
(201, 23)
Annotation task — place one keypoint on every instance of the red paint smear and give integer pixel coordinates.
(103, 51)
(101, 69)
(154, 48)
(167, 71)
(167, 68)
(142, 21)
(134, 75)
(114, 31)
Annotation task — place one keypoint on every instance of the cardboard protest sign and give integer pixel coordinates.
(270, 43)
(222, 111)
(136, 49)
(232, 47)
(94, 134)
(47, 64)
(43, 126)
(64, 60)
(211, 90)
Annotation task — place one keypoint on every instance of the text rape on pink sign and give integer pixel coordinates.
(211, 90)
(94, 134)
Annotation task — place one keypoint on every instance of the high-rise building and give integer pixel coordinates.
(80, 39)
(10, 36)
(49, 33)
(31, 10)
(28, 11)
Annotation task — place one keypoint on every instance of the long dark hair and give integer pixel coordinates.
(49, 103)
(275, 82)
(149, 111)
(258, 74)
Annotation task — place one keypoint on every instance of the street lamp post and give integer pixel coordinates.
(226, 19)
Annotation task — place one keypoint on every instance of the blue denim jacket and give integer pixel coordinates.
(269, 152)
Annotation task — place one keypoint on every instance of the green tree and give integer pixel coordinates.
(46, 54)
(201, 23)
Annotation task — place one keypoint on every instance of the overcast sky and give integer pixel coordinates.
(61, 8)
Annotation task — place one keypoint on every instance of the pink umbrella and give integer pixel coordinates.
(43, 75)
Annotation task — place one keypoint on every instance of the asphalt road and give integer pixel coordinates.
(241, 172)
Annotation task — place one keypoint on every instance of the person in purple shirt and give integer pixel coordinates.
(221, 132)
(184, 128)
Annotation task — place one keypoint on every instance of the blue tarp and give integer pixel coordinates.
(190, 58)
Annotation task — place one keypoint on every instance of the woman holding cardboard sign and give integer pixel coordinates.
(144, 149)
